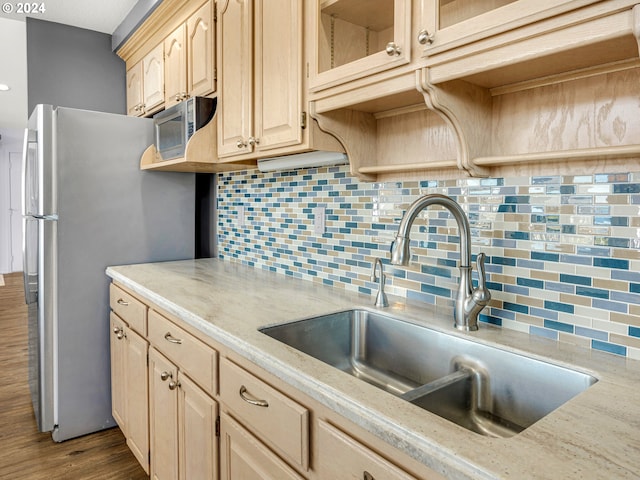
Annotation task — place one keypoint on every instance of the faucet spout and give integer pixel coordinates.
(469, 301)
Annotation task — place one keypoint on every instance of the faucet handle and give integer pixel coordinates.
(381, 297)
(482, 295)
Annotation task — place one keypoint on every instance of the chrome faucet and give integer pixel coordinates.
(470, 301)
(381, 297)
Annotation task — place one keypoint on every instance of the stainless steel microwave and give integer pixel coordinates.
(175, 125)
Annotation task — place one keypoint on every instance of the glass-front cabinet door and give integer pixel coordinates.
(352, 39)
(453, 23)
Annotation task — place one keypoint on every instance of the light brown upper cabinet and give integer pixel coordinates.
(356, 38)
(189, 63)
(260, 62)
(145, 84)
(452, 23)
(492, 43)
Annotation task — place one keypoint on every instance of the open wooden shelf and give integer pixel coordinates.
(200, 155)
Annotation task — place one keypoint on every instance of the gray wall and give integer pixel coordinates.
(73, 67)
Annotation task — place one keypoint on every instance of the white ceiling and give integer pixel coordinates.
(99, 15)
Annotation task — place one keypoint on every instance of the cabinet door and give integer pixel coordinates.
(153, 79)
(137, 399)
(175, 66)
(235, 82)
(278, 73)
(201, 48)
(243, 456)
(118, 372)
(198, 443)
(355, 38)
(453, 23)
(134, 90)
(163, 417)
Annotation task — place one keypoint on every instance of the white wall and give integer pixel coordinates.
(10, 200)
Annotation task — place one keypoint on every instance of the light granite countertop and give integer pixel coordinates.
(596, 435)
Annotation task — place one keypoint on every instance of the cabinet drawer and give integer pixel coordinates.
(195, 358)
(274, 418)
(341, 456)
(129, 309)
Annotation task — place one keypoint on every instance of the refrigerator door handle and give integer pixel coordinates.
(30, 235)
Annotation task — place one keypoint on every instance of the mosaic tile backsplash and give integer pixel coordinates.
(563, 252)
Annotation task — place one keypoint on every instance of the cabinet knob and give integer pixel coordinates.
(367, 476)
(424, 37)
(392, 49)
(119, 331)
(241, 144)
(173, 385)
(164, 376)
(253, 141)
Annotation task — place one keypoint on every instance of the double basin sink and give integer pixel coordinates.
(485, 389)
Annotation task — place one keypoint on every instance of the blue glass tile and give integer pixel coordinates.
(524, 199)
(609, 347)
(516, 289)
(524, 263)
(421, 297)
(516, 307)
(590, 333)
(592, 292)
(611, 263)
(543, 332)
(528, 282)
(507, 208)
(625, 275)
(612, 242)
(547, 257)
(543, 313)
(503, 261)
(634, 332)
(626, 188)
(625, 297)
(594, 251)
(576, 279)
(443, 292)
(517, 235)
(560, 326)
(491, 320)
(558, 306)
(609, 305)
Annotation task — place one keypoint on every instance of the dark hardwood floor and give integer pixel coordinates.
(24, 452)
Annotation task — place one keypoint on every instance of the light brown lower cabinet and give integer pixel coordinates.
(129, 389)
(182, 418)
(198, 411)
(244, 456)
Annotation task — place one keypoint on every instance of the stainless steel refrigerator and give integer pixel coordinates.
(87, 205)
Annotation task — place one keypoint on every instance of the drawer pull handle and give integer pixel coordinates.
(123, 303)
(250, 399)
(170, 338)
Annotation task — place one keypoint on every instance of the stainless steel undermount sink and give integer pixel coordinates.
(485, 389)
